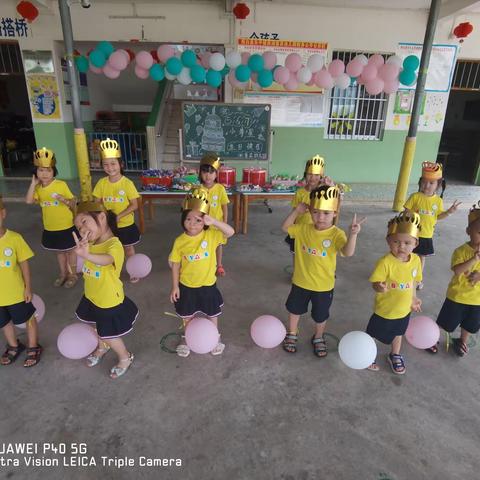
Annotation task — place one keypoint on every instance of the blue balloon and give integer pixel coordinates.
(157, 72)
(265, 78)
(214, 78)
(198, 73)
(189, 59)
(255, 62)
(97, 58)
(106, 47)
(242, 73)
(407, 77)
(411, 63)
(82, 63)
(174, 66)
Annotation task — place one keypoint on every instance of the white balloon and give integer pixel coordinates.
(342, 81)
(357, 350)
(315, 62)
(184, 76)
(362, 58)
(396, 60)
(304, 75)
(169, 76)
(217, 61)
(233, 59)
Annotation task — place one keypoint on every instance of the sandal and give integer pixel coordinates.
(71, 281)
(12, 353)
(433, 349)
(33, 356)
(397, 363)
(183, 350)
(59, 281)
(460, 347)
(420, 286)
(218, 350)
(373, 367)
(134, 280)
(118, 371)
(319, 346)
(220, 271)
(96, 356)
(290, 342)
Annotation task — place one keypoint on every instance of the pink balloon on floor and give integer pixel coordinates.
(139, 265)
(39, 305)
(267, 331)
(77, 341)
(201, 335)
(422, 332)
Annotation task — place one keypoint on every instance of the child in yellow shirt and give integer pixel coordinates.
(104, 303)
(394, 281)
(217, 197)
(316, 245)
(193, 264)
(429, 206)
(57, 203)
(16, 295)
(462, 305)
(119, 195)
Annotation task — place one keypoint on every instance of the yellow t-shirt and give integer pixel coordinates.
(460, 290)
(400, 278)
(13, 250)
(103, 286)
(429, 208)
(302, 196)
(56, 215)
(217, 197)
(116, 197)
(197, 257)
(316, 256)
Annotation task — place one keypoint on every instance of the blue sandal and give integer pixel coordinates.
(319, 346)
(397, 363)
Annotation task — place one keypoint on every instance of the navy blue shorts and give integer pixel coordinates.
(207, 301)
(454, 314)
(17, 313)
(299, 298)
(128, 236)
(59, 240)
(424, 247)
(385, 330)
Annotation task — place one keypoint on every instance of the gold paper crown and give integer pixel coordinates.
(197, 199)
(109, 149)
(325, 198)
(432, 171)
(315, 165)
(211, 159)
(406, 222)
(473, 214)
(43, 157)
(2, 206)
(89, 206)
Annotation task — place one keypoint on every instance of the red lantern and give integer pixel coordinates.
(131, 54)
(27, 10)
(241, 11)
(463, 30)
(154, 54)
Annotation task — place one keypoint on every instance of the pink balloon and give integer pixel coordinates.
(77, 341)
(95, 69)
(269, 60)
(360, 80)
(201, 335)
(292, 83)
(141, 73)
(388, 72)
(205, 60)
(422, 332)
(267, 331)
(281, 75)
(118, 61)
(336, 68)
(164, 52)
(375, 86)
(39, 305)
(144, 60)
(323, 79)
(124, 53)
(376, 60)
(369, 72)
(110, 72)
(138, 265)
(293, 62)
(245, 57)
(391, 87)
(354, 68)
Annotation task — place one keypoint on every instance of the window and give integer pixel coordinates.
(353, 114)
(466, 75)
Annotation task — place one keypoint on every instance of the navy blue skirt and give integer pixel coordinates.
(207, 301)
(60, 240)
(128, 236)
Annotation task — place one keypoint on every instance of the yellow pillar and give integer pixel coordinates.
(83, 165)
(404, 174)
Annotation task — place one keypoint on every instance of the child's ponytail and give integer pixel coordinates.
(112, 222)
(444, 186)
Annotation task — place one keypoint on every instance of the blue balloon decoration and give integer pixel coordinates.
(225, 71)
(265, 78)
(411, 63)
(255, 62)
(106, 47)
(198, 73)
(174, 66)
(353, 81)
(242, 73)
(189, 59)
(97, 58)
(407, 77)
(214, 78)
(157, 72)
(82, 63)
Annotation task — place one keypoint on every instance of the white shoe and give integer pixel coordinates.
(183, 350)
(218, 350)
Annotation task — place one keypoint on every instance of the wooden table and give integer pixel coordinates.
(147, 197)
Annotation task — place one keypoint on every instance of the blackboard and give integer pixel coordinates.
(233, 130)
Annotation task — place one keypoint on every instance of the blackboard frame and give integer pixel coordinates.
(227, 158)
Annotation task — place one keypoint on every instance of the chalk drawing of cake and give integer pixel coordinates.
(212, 138)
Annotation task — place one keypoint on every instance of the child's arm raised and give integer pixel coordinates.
(349, 249)
(466, 266)
(452, 209)
(25, 268)
(300, 209)
(29, 197)
(82, 250)
(225, 228)
(175, 293)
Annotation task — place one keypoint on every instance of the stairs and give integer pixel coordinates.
(171, 155)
